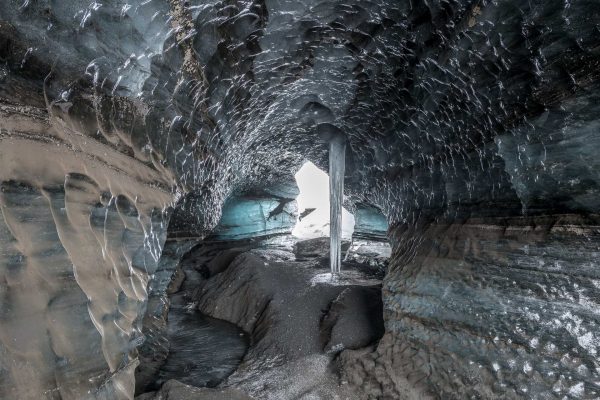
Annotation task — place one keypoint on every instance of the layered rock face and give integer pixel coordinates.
(473, 126)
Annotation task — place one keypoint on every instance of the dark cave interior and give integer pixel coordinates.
(147, 158)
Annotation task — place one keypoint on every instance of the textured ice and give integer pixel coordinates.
(253, 217)
(370, 224)
(472, 125)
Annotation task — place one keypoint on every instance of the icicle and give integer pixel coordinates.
(337, 165)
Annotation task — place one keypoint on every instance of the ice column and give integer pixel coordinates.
(337, 165)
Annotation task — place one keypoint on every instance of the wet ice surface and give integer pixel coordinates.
(342, 278)
(203, 351)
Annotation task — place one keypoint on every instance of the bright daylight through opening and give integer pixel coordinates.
(313, 205)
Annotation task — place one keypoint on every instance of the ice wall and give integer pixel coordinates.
(81, 231)
(490, 308)
(370, 224)
(244, 217)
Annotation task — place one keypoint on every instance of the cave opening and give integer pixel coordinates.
(224, 306)
(229, 300)
(313, 205)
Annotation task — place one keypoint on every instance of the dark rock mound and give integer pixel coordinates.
(298, 319)
(354, 319)
(315, 248)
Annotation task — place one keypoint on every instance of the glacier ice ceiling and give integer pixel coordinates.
(472, 127)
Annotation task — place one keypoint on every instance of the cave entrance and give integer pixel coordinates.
(313, 205)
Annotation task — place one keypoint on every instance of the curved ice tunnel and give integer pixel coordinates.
(472, 127)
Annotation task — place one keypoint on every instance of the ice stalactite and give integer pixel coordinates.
(337, 166)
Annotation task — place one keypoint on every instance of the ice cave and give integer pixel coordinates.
(153, 244)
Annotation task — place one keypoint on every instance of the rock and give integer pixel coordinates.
(305, 212)
(292, 314)
(222, 261)
(315, 248)
(375, 254)
(354, 319)
(312, 248)
(375, 375)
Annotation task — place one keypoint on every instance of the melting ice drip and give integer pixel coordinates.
(337, 166)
